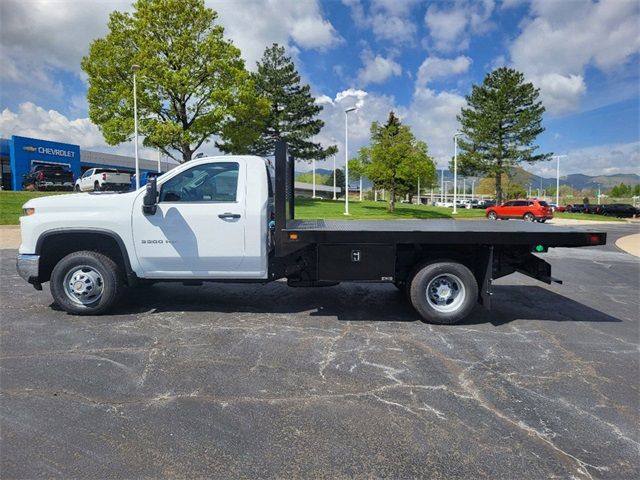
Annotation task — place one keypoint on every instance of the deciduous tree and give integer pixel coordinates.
(395, 159)
(192, 83)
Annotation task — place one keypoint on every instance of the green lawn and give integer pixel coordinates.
(330, 209)
(11, 204)
(11, 208)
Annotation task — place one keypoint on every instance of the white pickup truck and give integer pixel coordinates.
(228, 219)
(98, 179)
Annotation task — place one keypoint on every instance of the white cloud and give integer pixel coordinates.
(254, 25)
(389, 20)
(561, 39)
(561, 93)
(31, 120)
(435, 67)
(377, 69)
(609, 159)
(432, 116)
(450, 29)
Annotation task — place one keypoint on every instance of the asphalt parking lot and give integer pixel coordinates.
(241, 381)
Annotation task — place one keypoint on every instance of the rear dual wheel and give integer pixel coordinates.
(443, 292)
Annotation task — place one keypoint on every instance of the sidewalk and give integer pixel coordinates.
(9, 237)
(630, 244)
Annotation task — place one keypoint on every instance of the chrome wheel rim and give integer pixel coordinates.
(446, 293)
(83, 285)
(492, 215)
(529, 218)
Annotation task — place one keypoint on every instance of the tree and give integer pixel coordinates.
(395, 159)
(621, 190)
(191, 85)
(339, 180)
(502, 119)
(293, 113)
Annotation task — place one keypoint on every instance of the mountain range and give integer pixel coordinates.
(578, 181)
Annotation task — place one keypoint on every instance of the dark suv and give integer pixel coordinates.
(48, 177)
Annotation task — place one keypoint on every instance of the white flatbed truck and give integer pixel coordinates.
(231, 219)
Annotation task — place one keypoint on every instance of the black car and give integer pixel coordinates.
(48, 177)
(618, 210)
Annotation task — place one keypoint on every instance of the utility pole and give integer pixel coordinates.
(346, 158)
(418, 190)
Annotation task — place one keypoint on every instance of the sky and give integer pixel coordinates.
(417, 58)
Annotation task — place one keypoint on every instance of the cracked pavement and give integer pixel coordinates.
(245, 381)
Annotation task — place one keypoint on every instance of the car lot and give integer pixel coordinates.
(243, 381)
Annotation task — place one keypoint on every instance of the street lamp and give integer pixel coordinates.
(346, 157)
(558, 157)
(333, 141)
(134, 69)
(455, 171)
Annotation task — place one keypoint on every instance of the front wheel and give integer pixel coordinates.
(96, 187)
(529, 217)
(492, 215)
(77, 189)
(86, 283)
(444, 292)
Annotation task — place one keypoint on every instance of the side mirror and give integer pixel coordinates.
(150, 199)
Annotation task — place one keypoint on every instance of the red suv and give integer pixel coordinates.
(528, 210)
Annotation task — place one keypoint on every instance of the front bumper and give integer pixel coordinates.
(28, 267)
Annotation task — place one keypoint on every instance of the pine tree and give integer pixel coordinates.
(500, 125)
(293, 115)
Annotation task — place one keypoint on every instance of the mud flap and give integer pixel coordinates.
(535, 267)
(485, 280)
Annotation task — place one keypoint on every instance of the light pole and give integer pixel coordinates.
(313, 175)
(333, 140)
(473, 184)
(419, 191)
(455, 171)
(134, 69)
(346, 157)
(159, 168)
(558, 157)
(442, 198)
(361, 187)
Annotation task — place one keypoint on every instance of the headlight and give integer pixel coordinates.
(29, 211)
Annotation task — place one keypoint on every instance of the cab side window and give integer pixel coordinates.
(214, 182)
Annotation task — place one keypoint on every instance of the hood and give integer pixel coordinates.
(82, 202)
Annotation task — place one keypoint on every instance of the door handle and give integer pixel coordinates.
(227, 215)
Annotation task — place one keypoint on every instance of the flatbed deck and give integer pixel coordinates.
(460, 232)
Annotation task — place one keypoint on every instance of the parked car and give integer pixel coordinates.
(48, 177)
(528, 210)
(577, 208)
(618, 210)
(485, 204)
(98, 179)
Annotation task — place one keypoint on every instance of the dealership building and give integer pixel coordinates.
(19, 154)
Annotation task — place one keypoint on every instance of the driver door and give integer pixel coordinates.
(198, 230)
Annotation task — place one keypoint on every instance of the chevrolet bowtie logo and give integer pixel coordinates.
(30, 149)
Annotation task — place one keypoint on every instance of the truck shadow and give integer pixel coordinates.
(349, 302)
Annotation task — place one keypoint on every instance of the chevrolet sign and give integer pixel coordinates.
(50, 151)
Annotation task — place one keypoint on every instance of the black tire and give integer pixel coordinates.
(542, 220)
(435, 272)
(77, 188)
(108, 272)
(492, 215)
(529, 217)
(96, 187)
